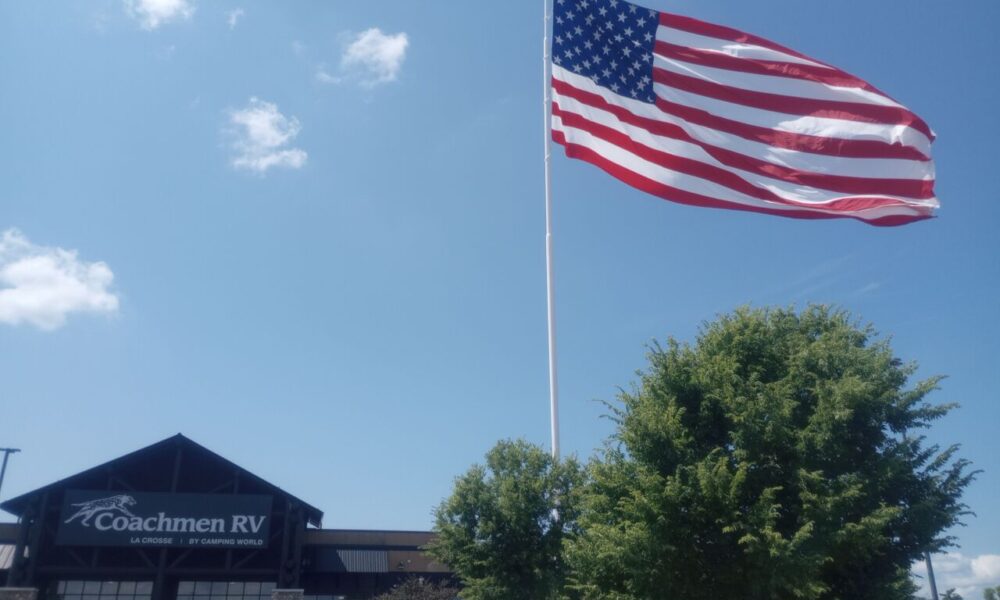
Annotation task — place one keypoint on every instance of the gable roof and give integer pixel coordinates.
(18, 505)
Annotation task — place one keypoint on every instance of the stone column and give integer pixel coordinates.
(12, 593)
(275, 595)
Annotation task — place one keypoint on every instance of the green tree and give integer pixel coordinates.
(503, 526)
(991, 593)
(774, 459)
(418, 588)
(951, 595)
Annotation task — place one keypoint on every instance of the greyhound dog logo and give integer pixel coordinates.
(88, 509)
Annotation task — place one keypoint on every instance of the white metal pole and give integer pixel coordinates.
(547, 112)
(930, 576)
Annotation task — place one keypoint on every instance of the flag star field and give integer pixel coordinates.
(609, 41)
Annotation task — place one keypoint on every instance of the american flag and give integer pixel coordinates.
(706, 115)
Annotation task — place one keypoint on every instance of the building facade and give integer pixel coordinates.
(175, 521)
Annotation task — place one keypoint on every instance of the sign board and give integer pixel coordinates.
(102, 518)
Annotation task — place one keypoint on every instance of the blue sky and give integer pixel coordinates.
(310, 236)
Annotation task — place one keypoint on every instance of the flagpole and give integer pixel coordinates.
(930, 576)
(547, 113)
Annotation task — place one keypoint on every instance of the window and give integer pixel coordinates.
(102, 590)
(224, 590)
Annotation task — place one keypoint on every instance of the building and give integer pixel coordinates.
(176, 521)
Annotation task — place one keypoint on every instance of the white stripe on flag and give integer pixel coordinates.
(790, 191)
(773, 84)
(742, 50)
(836, 165)
(697, 185)
(817, 126)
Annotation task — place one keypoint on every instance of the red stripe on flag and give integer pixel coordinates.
(719, 60)
(683, 197)
(830, 109)
(716, 175)
(848, 148)
(911, 188)
(728, 33)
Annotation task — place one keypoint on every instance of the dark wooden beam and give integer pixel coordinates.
(125, 572)
(159, 584)
(35, 541)
(15, 577)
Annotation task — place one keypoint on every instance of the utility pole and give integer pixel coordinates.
(3, 469)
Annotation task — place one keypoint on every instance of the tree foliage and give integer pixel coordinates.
(991, 593)
(418, 588)
(499, 531)
(951, 595)
(779, 457)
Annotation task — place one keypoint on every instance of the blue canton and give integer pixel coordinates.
(609, 41)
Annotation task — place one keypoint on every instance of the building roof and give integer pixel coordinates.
(152, 454)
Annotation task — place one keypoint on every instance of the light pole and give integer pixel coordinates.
(3, 469)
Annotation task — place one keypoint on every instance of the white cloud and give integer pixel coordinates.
(233, 17)
(262, 138)
(967, 574)
(373, 57)
(151, 14)
(42, 285)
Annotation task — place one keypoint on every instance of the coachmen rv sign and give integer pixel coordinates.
(188, 520)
